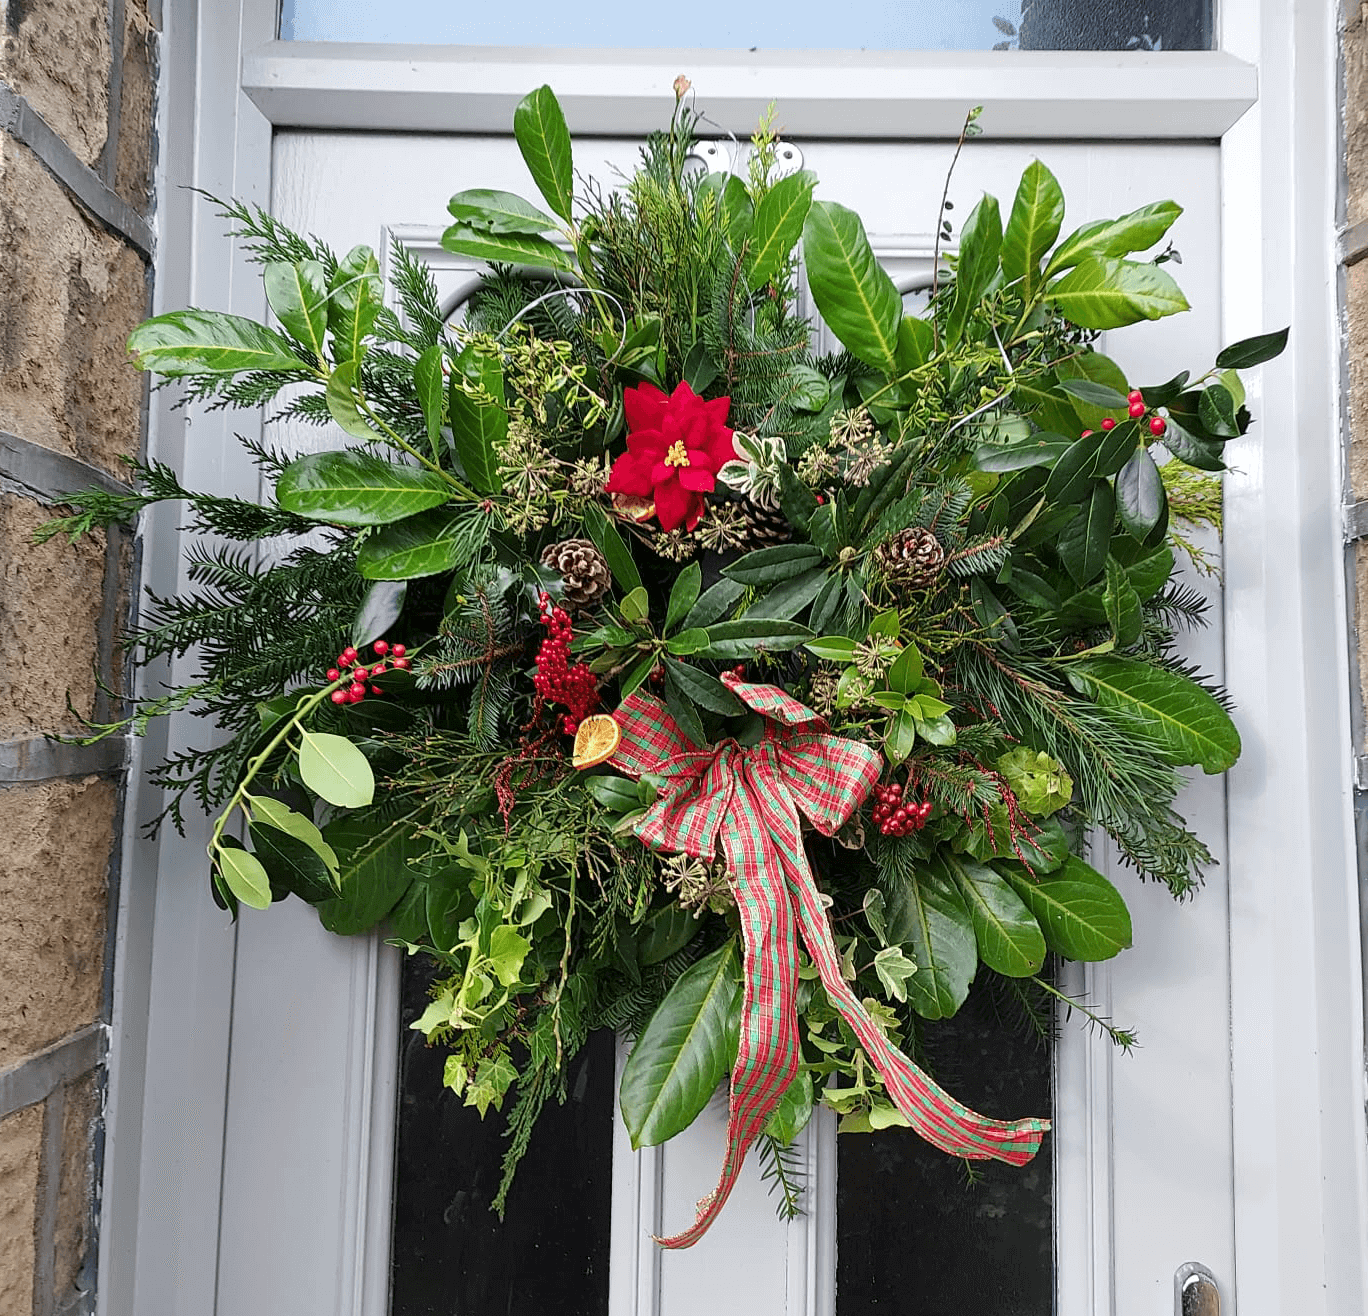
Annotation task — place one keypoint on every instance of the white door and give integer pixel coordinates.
(1145, 1164)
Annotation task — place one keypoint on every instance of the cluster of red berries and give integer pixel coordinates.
(362, 673)
(1135, 405)
(557, 678)
(894, 817)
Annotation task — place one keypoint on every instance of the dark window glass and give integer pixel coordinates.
(913, 1232)
(450, 1255)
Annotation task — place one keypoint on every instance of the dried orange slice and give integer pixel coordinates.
(596, 741)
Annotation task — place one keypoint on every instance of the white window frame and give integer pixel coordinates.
(1269, 96)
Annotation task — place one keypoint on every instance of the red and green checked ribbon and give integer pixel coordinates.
(750, 800)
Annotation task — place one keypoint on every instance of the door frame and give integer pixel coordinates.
(1298, 1075)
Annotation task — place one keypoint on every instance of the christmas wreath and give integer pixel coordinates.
(649, 671)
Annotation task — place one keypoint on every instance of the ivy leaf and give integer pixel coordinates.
(478, 426)
(854, 294)
(355, 296)
(379, 611)
(980, 247)
(507, 950)
(894, 969)
(499, 212)
(1105, 293)
(544, 140)
(1081, 914)
(424, 545)
(335, 770)
(209, 343)
(354, 488)
(777, 226)
(298, 294)
(508, 248)
(794, 1110)
(684, 1051)
(1008, 937)
(245, 877)
(1032, 227)
(1252, 351)
(927, 915)
(1187, 721)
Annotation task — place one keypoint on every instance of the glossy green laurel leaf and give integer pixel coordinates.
(355, 297)
(1081, 914)
(1107, 293)
(1041, 449)
(777, 226)
(479, 421)
(544, 140)
(424, 545)
(379, 611)
(291, 865)
(1137, 231)
(685, 1050)
(1083, 542)
(768, 566)
(373, 855)
(1140, 497)
(499, 212)
(980, 248)
(730, 640)
(787, 599)
(609, 541)
(1008, 936)
(1122, 604)
(1192, 727)
(1089, 458)
(430, 385)
(298, 294)
(184, 343)
(704, 689)
(509, 248)
(666, 931)
(927, 914)
(1203, 453)
(354, 488)
(854, 294)
(683, 595)
(1252, 351)
(1032, 227)
(335, 770)
(272, 813)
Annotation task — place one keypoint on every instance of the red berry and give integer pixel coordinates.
(1085, 434)
(1135, 395)
(333, 673)
(381, 647)
(354, 698)
(1158, 425)
(338, 696)
(349, 655)
(376, 690)
(1109, 424)
(1137, 409)
(398, 651)
(402, 663)
(378, 670)
(357, 689)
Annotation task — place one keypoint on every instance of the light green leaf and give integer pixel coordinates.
(544, 140)
(635, 606)
(1009, 938)
(283, 818)
(684, 1051)
(478, 423)
(832, 648)
(1032, 227)
(510, 248)
(499, 212)
(855, 296)
(1108, 293)
(507, 950)
(430, 384)
(777, 226)
(209, 343)
(354, 488)
(245, 876)
(1192, 727)
(1136, 231)
(298, 294)
(980, 247)
(335, 770)
(794, 1110)
(343, 404)
(1081, 914)
(424, 545)
(927, 914)
(906, 671)
(355, 297)
(894, 969)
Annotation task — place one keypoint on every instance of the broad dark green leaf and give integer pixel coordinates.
(666, 931)
(616, 794)
(681, 708)
(855, 296)
(1098, 395)
(715, 603)
(1107, 293)
(685, 1050)
(298, 294)
(1252, 351)
(768, 566)
(916, 343)
(786, 600)
(1137, 231)
(374, 872)
(379, 611)
(980, 247)
(1093, 457)
(498, 212)
(614, 549)
(355, 297)
(354, 488)
(509, 248)
(430, 384)
(777, 226)
(544, 140)
(478, 423)
(1032, 227)
(344, 403)
(1150, 574)
(1041, 449)
(209, 343)
(683, 595)
(1122, 604)
(1140, 496)
(744, 638)
(1081, 914)
(423, 545)
(291, 865)
(1101, 370)
(1009, 939)
(1184, 718)
(1084, 541)
(274, 816)
(1205, 454)
(335, 770)
(1216, 408)
(806, 389)
(705, 690)
(927, 914)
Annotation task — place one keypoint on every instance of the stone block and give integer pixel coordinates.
(137, 108)
(73, 293)
(1356, 109)
(77, 1184)
(50, 605)
(21, 1140)
(1356, 350)
(56, 54)
(54, 870)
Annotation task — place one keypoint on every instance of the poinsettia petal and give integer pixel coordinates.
(645, 405)
(674, 504)
(716, 410)
(647, 443)
(698, 478)
(631, 475)
(721, 449)
(695, 515)
(662, 474)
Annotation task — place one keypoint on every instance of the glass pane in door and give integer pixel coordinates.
(800, 25)
(450, 1254)
(916, 1230)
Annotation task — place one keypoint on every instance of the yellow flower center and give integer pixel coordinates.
(676, 454)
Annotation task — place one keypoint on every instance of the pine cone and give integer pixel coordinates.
(913, 558)
(763, 526)
(583, 569)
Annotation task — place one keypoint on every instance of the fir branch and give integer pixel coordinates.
(781, 1168)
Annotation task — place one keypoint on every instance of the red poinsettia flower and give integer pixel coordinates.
(675, 447)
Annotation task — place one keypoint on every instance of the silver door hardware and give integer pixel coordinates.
(1195, 1292)
(724, 157)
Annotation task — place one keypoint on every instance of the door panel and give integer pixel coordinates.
(1142, 1145)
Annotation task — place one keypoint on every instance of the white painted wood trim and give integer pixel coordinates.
(842, 93)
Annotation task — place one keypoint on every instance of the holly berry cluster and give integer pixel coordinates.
(363, 674)
(557, 678)
(894, 817)
(1135, 405)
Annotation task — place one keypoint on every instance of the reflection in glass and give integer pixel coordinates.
(915, 1231)
(798, 25)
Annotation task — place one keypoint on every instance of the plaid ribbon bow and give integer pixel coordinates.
(749, 799)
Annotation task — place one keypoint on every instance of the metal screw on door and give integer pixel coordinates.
(1195, 1292)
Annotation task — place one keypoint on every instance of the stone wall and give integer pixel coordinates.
(77, 91)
